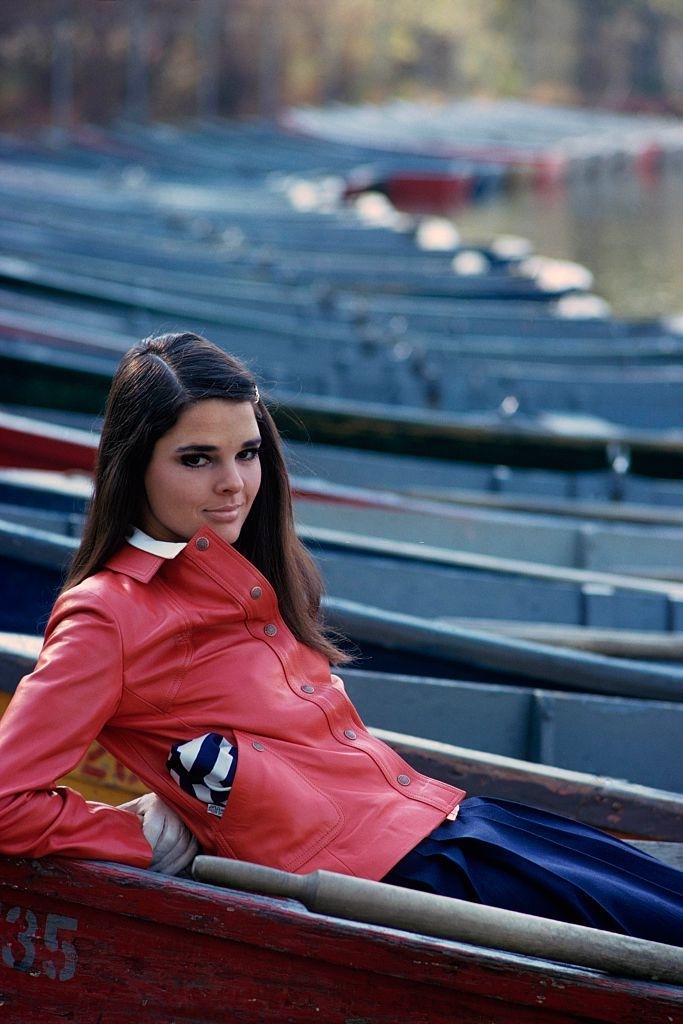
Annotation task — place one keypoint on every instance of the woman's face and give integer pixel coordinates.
(204, 472)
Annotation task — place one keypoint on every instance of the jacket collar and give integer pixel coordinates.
(140, 565)
(144, 565)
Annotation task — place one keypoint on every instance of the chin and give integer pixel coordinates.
(227, 532)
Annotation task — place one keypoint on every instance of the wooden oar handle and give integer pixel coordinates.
(359, 899)
(240, 874)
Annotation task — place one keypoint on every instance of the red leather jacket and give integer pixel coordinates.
(150, 652)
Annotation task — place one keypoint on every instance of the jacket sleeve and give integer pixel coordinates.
(56, 712)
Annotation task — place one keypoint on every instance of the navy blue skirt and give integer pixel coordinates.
(507, 855)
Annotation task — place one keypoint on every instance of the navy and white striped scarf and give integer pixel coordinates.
(205, 768)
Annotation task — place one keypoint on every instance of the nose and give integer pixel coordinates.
(230, 480)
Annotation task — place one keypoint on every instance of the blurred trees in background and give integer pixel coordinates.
(96, 60)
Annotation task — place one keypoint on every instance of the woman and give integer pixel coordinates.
(187, 640)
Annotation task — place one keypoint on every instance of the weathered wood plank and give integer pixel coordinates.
(143, 944)
(619, 807)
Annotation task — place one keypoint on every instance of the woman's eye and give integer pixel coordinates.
(194, 461)
(249, 454)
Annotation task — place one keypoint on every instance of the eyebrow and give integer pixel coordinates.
(255, 442)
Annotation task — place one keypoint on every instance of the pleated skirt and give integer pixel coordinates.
(515, 857)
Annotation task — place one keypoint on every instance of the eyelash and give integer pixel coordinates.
(250, 454)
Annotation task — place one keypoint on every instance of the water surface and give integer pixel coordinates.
(627, 231)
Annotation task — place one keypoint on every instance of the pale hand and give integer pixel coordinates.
(173, 845)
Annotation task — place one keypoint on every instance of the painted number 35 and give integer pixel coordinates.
(38, 943)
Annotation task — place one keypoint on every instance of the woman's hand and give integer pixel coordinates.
(173, 845)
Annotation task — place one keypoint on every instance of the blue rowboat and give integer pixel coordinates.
(33, 562)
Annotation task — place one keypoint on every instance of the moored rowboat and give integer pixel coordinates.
(34, 559)
(47, 374)
(650, 547)
(498, 587)
(85, 941)
(60, 440)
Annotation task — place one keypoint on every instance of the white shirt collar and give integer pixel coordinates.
(163, 548)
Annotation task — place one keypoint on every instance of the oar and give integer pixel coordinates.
(358, 899)
(619, 643)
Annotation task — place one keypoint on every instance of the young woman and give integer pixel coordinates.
(187, 640)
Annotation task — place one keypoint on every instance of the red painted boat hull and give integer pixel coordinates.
(34, 444)
(429, 193)
(420, 191)
(88, 942)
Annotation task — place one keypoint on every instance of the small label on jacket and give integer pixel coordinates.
(216, 809)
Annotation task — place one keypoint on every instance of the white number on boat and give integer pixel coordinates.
(34, 937)
(54, 924)
(24, 938)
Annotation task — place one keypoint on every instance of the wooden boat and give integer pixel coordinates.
(476, 373)
(526, 390)
(417, 273)
(246, 302)
(234, 320)
(652, 547)
(118, 944)
(57, 505)
(485, 379)
(608, 495)
(101, 249)
(151, 221)
(44, 444)
(546, 143)
(446, 584)
(285, 227)
(34, 560)
(44, 374)
(65, 518)
(364, 359)
(330, 305)
(506, 328)
(132, 221)
(84, 940)
(421, 190)
(307, 238)
(56, 502)
(37, 438)
(157, 238)
(563, 541)
(60, 511)
(584, 316)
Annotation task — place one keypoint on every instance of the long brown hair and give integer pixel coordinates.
(155, 381)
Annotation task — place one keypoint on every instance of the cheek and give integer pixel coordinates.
(171, 489)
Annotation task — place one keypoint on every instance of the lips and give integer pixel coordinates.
(224, 508)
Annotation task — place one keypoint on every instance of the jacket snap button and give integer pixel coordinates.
(350, 734)
(258, 746)
(202, 543)
(270, 630)
(256, 592)
(403, 779)
(307, 688)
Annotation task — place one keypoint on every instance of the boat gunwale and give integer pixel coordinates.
(204, 908)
